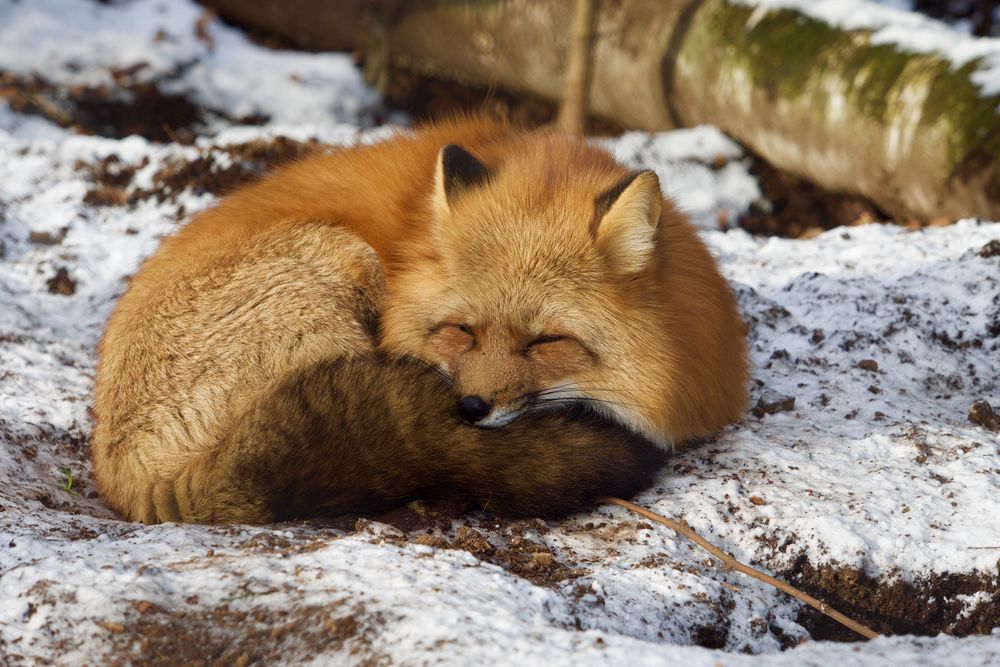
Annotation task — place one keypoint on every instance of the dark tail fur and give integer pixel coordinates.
(369, 433)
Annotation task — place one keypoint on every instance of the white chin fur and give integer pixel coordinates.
(498, 418)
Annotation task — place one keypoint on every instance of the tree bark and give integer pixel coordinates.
(909, 131)
(579, 64)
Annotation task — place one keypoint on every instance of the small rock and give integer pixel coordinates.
(471, 540)
(771, 403)
(868, 365)
(542, 560)
(991, 249)
(48, 238)
(982, 414)
(111, 626)
(61, 283)
(757, 500)
(145, 606)
(432, 541)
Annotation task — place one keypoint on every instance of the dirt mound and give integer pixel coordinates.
(215, 170)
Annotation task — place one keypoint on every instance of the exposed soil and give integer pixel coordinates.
(511, 544)
(216, 171)
(61, 283)
(129, 105)
(151, 635)
(982, 414)
(794, 207)
(893, 606)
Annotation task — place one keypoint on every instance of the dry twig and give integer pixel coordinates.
(730, 563)
(579, 65)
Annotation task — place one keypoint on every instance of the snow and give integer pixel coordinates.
(224, 71)
(876, 467)
(888, 22)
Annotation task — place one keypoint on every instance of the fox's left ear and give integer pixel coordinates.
(625, 222)
(456, 171)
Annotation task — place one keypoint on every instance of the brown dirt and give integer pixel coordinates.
(61, 283)
(982, 414)
(890, 605)
(216, 170)
(510, 544)
(130, 105)
(991, 249)
(206, 174)
(770, 404)
(796, 208)
(225, 636)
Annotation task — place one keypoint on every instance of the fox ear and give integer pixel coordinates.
(457, 170)
(625, 222)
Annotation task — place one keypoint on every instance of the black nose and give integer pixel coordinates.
(473, 408)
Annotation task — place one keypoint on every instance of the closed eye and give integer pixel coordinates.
(550, 338)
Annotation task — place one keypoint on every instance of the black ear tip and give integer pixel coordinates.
(461, 169)
(456, 159)
(454, 151)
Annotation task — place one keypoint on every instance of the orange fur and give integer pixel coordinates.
(660, 349)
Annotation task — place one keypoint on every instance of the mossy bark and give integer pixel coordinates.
(910, 131)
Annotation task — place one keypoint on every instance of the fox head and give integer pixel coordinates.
(532, 271)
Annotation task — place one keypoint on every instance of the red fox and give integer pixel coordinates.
(528, 269)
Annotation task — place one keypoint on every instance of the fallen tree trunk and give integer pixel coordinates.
(910, 131)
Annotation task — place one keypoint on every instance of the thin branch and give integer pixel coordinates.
(579, 66)
(730, 563)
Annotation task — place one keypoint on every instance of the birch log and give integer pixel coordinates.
(912, 132)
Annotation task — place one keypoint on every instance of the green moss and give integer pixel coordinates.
(780, 51)
(787, 55)
(972, 121)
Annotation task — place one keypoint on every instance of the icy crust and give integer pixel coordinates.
(889, 23)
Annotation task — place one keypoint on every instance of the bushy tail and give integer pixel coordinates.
(369, 433)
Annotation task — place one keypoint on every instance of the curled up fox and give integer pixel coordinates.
(467, 310)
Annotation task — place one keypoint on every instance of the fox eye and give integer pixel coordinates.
(549, 338)
(464, 328)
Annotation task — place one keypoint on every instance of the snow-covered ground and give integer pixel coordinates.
(872, 485)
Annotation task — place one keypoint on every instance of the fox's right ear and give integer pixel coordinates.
(626, 220)
(457, 171)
